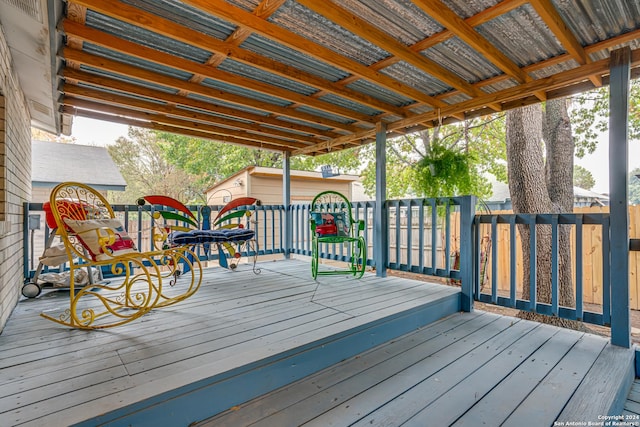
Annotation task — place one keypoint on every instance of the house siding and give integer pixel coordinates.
(15, 180)
(269, 189)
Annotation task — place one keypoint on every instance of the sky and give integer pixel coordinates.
(96, 132)
(598, 162)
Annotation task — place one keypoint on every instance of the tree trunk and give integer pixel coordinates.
(537, 186)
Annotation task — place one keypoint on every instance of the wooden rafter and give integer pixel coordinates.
(554, 21)
(560, 59)
(166, 128)
(108, 83)
(548, 84)
(129, 48)
(458, 26)
(167, 114)
(233, 14)
(361, 28)
(178, 119)
(169, 82)
(330, 114)
(224, 49)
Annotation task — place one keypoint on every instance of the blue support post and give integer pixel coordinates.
(380, 227)
(286, 201)
(620, 61)
(467, 254)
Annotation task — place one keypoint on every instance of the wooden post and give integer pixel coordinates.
(381, 229)
(286, 201)
(467, 253)
(620, 61)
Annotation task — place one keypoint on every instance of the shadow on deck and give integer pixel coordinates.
(338, 351)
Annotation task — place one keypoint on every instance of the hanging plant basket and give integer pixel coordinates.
(445, 172)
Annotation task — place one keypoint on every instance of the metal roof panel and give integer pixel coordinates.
(130, 60)
(254, 73)
(276, 51)
(190, 17)
(308, 24)
(237, 90)
(522, 35)
(146, 38)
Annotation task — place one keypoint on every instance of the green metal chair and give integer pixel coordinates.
(332, 223)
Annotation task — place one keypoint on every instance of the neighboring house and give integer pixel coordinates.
(53, 163)
(266, 184)
(501, 197)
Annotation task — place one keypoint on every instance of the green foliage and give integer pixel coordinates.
(583, 178)
(590, 117)
(445, 172)
(145, 169)
(634, 187)
(216, 161)
(479, 142)
(212, 161)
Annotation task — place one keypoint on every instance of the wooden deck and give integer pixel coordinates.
(239, 337)
(470, 369)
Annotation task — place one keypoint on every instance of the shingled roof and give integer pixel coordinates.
(53, 163)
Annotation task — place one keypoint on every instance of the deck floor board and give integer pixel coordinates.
(51, 375)
(468, 369)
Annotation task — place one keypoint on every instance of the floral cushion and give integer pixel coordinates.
(330, 223)
(91, 231)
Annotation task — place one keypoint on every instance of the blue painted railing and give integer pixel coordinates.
(336, 252)
(451, 249)
(416, 246)
(490, 224)
(267, 221)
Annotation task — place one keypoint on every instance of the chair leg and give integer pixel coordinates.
(314, 258)
(359, 257)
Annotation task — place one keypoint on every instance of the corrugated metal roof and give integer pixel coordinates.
(145, 38)
(522, 35)
(245, 70)
(187, 16)
(137, 62)
(327, 71)
(310, 25)
(299, 60)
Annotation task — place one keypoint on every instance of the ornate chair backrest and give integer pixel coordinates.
(331, 212)
(72, 203)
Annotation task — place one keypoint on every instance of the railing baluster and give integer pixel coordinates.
(409, 235)
(512, 266)
(606, 271)
(434, 237)
(476, 258)
(398, 240)
(533, 255)
(579, 267)
(447, 234)
(494, 259)
(421, 236)
(554, 264)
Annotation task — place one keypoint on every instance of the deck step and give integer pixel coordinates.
(214, 395)
(468, 369)
(610, 377)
